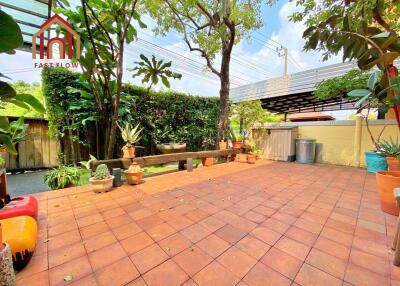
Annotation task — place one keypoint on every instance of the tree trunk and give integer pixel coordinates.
(224, 96)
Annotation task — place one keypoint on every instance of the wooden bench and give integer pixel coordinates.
(182, 158)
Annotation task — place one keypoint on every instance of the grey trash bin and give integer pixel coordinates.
(305, 150)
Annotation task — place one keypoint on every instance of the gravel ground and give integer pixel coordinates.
(26, 183)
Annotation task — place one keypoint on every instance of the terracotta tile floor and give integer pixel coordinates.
(232, 224)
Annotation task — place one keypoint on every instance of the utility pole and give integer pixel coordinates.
(285, 73)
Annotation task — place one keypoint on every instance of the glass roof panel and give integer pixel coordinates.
(29, 14)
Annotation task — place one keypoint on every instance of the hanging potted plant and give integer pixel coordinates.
(102, 180)
(391, 150)
(134, 174)
(130, 136)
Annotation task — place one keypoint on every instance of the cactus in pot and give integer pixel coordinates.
(102, 179)
(134, 174)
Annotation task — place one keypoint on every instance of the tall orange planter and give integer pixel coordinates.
(387, 181)
(393, 164)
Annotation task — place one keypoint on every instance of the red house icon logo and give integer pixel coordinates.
(73, 40)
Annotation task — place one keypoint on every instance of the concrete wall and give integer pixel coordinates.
(337, 141)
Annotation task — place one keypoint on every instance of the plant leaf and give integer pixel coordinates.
(32, 101)
(10, 33)
(359, 93)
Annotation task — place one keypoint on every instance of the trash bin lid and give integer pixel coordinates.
(305, 140)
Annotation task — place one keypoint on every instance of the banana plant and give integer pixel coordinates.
(12, 133)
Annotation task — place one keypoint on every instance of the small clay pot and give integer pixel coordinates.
(242, 158)
(133, 178)
(393, 163)
(101, 186)
(387, 181)
(207, 162)
(128, 152)
(237, 144)
(251, 159)
(223, 145)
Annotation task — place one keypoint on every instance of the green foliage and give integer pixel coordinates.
(234, 134)
(11, 133)
(2, 161)
(165, 116)
(102, 172)
(130, 135)
(62, 176)
(389, 148)
(10, 33)
(86, 164)
(246, 114)
(251, 147)
(341, 85)
(154, 70)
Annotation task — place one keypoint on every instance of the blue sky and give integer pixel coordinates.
(253, 60)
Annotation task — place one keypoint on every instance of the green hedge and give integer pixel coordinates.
(166, 116)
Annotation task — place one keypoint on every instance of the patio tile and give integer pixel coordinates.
(161, 231)
(196, 215)
(360, 276)
(94, 229)
(192, 260)
(161, 275)
(179, 222)
(215, 274)
(261, 275)
(371, 262)
(282, 262)
(117, 221)
(137, 282)
(148, 258)
(336, 235)
(243, 224)
(89, 280)
(136, 242)
(66, 253)
(175, 244)
(276, 225)
(293, 248)
(237, 261)
(61, 228)
(140, 213)
(99, 241)
(213, 245)
(38, 263)
(78, 268)
(253, 246)
(255, 217)
(113, 213)
(88, 220)
(300, 235)
(266, 211)
(149, 222)
(117, 274)
(311, 276)
(266, 235)
(106, 255)
(126, 230)
(333, 248)
(211, 223)
(230, 234)
(328, 263)
(63, 239)
(38, 279)
(195, 232)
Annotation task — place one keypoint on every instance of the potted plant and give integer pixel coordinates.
(134, 174)
(387, 181)
(130, 136)
(390, 150)
(207, 162)
(62, 177)
(252, 151)
(102, 179)
(236, 138)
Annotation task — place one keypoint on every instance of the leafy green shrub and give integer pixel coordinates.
(102, 172)
(389, 148)
(62, 176)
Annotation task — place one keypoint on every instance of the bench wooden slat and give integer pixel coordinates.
(124, 163)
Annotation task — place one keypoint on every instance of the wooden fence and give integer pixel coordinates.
(37, 150)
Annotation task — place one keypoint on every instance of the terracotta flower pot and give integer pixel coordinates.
(207, 162)
(393, 163)
(101, 186)
(251, 159)
(387, 181)
(242, 158)
(134, 178)
(237, 144)
(223, 145)
(128, 152)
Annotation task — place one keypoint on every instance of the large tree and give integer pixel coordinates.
(210, 28)
(366, 31)
(105, 27)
